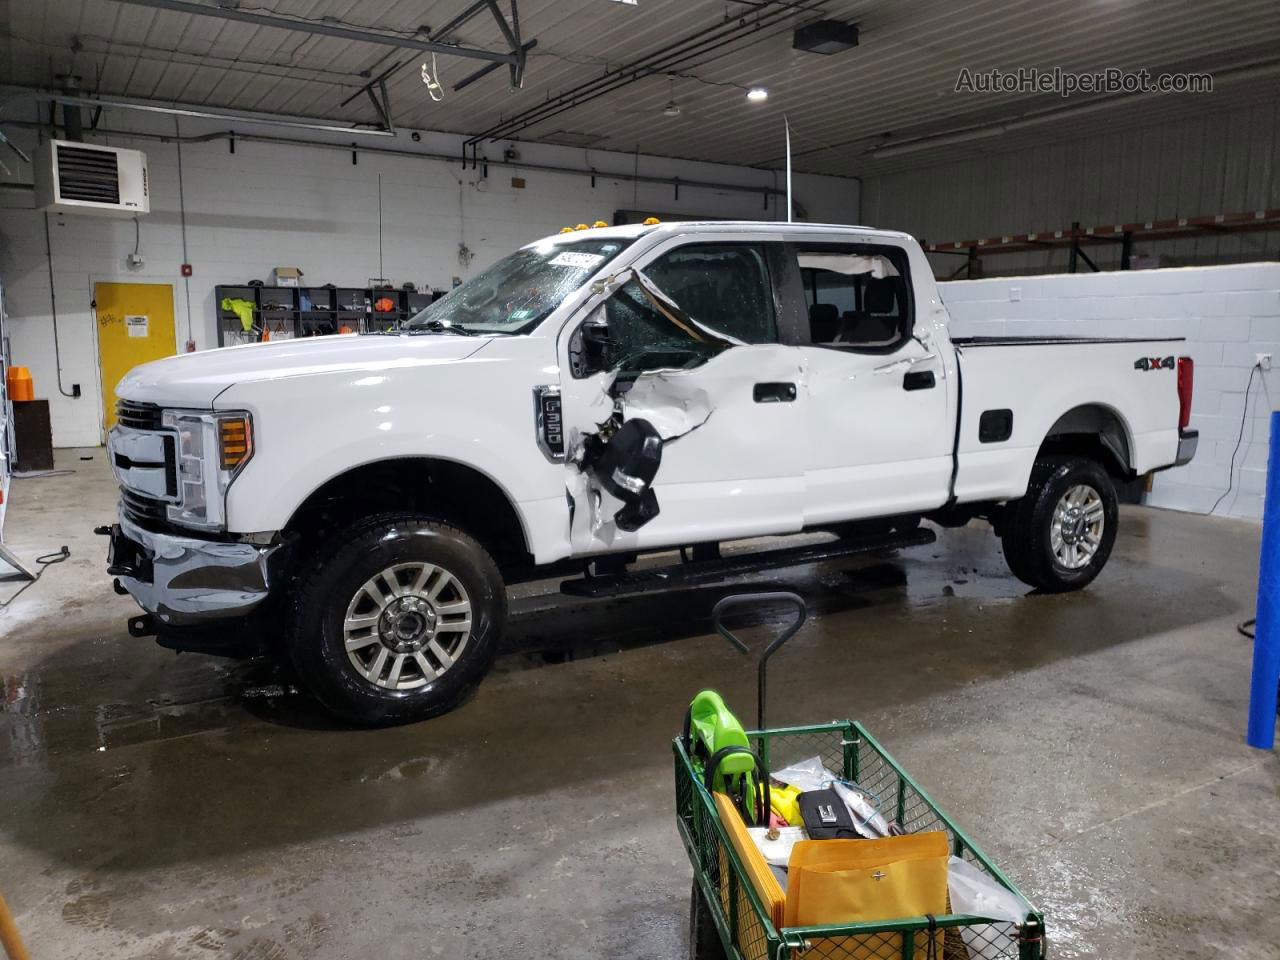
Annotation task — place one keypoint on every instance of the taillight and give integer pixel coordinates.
(1186, 376)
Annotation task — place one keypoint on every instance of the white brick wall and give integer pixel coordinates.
(271, 205)
(1228, 314)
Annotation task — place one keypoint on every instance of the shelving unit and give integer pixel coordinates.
(282, 313)
(9, 562)
(1076, 238)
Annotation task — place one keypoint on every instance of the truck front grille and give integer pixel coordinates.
(170, 466)
(147, 512)
(140, 416)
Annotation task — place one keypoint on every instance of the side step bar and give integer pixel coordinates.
(709, 571)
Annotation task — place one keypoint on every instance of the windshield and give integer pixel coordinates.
(518, 292)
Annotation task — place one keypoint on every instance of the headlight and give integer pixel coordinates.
(212, 449)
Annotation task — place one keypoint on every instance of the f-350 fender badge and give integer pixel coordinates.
(1155, 363)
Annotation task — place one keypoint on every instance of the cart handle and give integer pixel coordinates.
(743, 599)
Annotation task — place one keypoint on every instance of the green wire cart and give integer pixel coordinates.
(727, 919)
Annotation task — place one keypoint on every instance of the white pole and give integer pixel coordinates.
(788, 125)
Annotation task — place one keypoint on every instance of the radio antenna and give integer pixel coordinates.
(787, 123)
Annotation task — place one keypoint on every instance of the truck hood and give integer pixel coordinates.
(195, 379)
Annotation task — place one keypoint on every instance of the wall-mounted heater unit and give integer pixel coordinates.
(73, 177)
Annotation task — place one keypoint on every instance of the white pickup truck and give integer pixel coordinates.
(362, 501)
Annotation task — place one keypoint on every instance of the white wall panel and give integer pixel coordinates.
(1223, 162)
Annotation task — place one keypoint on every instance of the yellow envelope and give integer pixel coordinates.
(863, 881)
(753, 862)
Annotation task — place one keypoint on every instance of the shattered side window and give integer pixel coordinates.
(724, 288)
(643, 338)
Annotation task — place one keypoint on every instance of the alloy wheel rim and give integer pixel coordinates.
(407, 625)
(1076, 531)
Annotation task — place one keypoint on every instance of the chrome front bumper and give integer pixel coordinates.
(1188, 440)
(184, 580)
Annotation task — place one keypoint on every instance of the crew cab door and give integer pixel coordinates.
(691, 349)
(879, 427)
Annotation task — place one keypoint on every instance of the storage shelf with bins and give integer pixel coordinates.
(284, 313)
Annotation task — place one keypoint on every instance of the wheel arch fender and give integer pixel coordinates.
(1095, 430)
(452, 490)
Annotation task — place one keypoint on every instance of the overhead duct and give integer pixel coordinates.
(72, 123)
(826, 36)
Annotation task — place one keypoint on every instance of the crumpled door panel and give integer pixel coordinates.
(697, 456)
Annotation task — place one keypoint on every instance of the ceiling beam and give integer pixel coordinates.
(324, 28)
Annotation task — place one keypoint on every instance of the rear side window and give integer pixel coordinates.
(858, 296)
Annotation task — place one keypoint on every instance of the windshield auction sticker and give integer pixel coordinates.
(571, 258)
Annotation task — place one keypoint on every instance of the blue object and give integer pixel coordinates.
(1266, 643)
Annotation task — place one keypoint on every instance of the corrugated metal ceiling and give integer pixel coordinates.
(899, 81)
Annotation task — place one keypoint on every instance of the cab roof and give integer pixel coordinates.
(634, 230)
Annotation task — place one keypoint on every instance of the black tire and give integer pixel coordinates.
(704, 938)
(1026, 529)
(335, 578)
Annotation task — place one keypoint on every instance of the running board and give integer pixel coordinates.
(708, 571)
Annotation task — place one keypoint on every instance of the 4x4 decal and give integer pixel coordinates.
(1155, 363)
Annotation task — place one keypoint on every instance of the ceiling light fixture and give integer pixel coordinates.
(756, 94)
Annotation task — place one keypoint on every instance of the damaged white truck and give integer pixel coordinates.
(361, 502)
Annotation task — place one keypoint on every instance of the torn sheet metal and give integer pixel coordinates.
(672, 400)
(592, 408)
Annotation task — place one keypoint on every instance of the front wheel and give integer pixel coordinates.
(1059, 536)
(397, 619)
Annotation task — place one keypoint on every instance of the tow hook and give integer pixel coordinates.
(143, 626)
(103, 531)
(119, 588)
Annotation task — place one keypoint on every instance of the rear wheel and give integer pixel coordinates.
(704, 938)
(1059, 536)
(397, 619)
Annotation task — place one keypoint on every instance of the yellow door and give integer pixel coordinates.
(135, 325)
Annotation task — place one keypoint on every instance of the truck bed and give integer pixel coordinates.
(1032, 383)
(1051, 341)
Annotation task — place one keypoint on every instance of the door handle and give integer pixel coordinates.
(773, 392)
(919, 380)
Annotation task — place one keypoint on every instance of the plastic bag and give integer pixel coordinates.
(867, 820)
(807, 774)
(777, 853)
(977, 893)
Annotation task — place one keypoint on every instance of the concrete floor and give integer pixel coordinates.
(163, 806)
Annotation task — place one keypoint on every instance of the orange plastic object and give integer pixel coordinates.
(19, 384)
